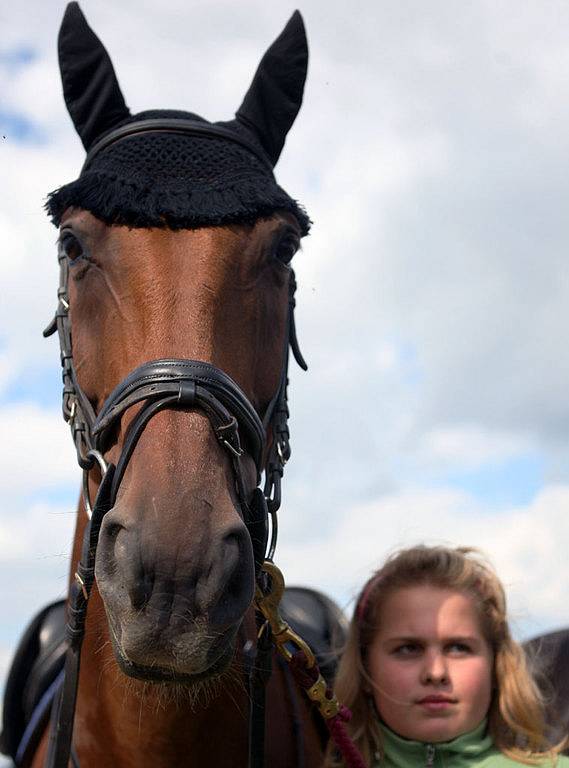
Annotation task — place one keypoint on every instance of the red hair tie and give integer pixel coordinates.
(361, 607)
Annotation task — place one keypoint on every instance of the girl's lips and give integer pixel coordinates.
(435, 698)
(436, 702)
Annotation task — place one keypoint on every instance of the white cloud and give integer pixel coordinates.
(526, 544)
(28, 260)
(35, 533)
(35, 546)
(36, 451)
(469, 446)
(6, 654)
(5, 657)
(6, 373)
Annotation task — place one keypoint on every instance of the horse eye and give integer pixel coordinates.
(71, 246)
(286, 248)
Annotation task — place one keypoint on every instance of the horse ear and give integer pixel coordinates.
(275, 95)
(90, 87)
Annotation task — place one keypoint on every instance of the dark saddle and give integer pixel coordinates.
(32, 682)
(320, 622)
(549, 661)
(37, 667)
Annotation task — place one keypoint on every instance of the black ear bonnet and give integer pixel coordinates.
(204, 175)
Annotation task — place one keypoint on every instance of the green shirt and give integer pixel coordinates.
(471, 750)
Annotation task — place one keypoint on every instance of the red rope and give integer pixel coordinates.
(342, 740)
(306, 677)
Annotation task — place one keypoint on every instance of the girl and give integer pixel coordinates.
(432, 674)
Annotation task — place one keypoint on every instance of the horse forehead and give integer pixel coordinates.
(224, 238)
(213, 253)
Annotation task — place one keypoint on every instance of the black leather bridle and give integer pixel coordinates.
(154, 386)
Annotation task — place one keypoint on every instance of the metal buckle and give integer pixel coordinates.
(72, 411)
(236, 452)
(284, 637)
(81, 583)
(282, 452)
(96, 458)
(268, 604)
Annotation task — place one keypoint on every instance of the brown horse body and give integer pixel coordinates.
(162, 676)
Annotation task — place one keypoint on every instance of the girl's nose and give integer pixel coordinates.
(435, 669)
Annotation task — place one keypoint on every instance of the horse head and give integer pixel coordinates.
(175, 320)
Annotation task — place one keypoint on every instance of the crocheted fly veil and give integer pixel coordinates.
(175, 169)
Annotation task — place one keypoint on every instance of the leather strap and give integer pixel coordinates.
(258, 679)
(190, 384)
(63, 713)
(178, 125)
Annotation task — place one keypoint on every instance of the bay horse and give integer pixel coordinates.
(175, 318)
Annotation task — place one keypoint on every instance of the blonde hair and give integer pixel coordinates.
(516, 718)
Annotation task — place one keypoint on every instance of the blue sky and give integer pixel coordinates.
(431, 153)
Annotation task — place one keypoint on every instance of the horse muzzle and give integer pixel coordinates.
(174, 600)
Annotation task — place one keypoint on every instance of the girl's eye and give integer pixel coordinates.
(286, 248)
(459, 648)
(70, 246)
(407, 649)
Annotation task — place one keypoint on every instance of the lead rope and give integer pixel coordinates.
(303, 666)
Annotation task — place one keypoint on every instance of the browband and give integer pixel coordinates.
(178, 125)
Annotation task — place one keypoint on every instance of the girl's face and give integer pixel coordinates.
(430, 665)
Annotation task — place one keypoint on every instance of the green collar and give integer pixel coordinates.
(403, 752)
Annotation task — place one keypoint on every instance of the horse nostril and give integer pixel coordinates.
(112, 548)
(112, 530)
(232, 552)
(119, 568)
(232, 577)
(139, 592)
(113, 544)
